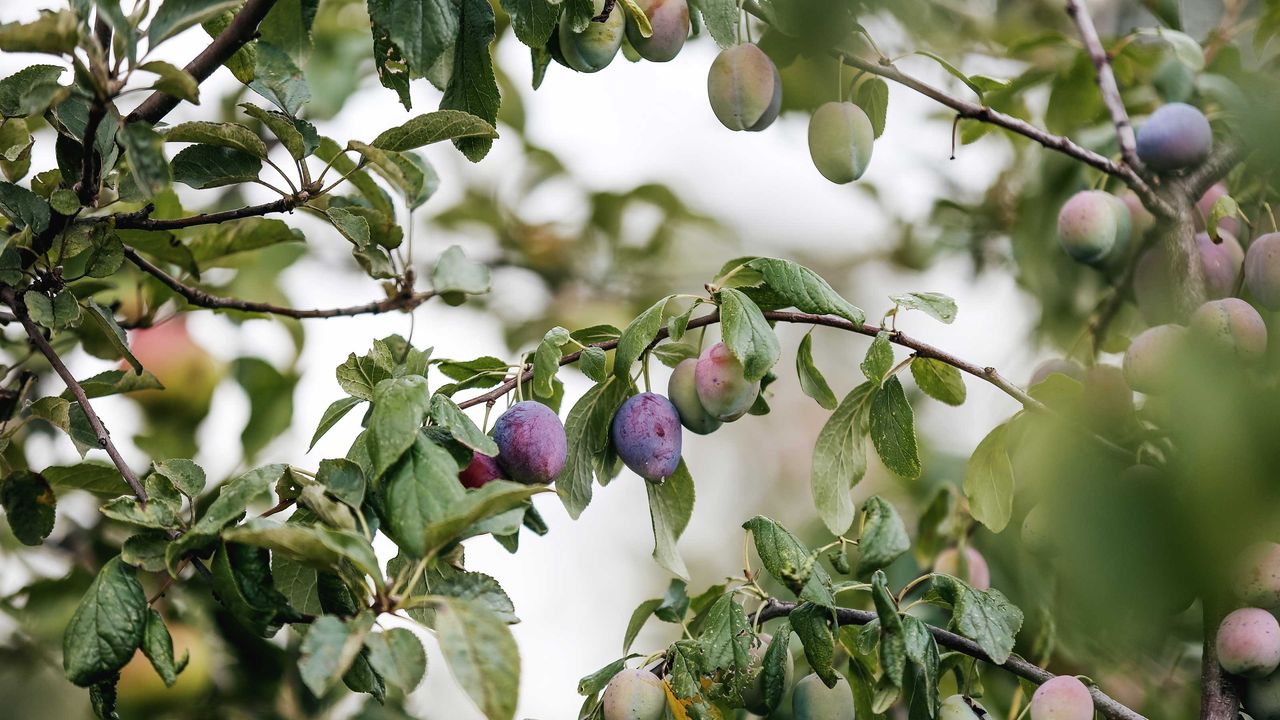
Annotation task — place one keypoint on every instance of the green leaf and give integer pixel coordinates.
(637, 336)
(29, 504)
(115, 382)
(24, 208)
(418, 490)
(68, 417)
(1184, 47)
(283, 127)
(495, 498)
(592, 684)
(922, 651)
(144, 149)
(670, 507)
(936, 305)
(955, 71)
(432, 128)
(473, 87)
(56, 313)
(747, 334)
(481, 654)
(145, 550)
(775, 669)
(893, 642)
(397, 655)
(288, 27)
(55, 33)
(812, 624)
(587, 430)
(186, 475)
(938, 380)
(879, 359)
(329, 648)
(332, 414)
(685, 665)
(278, 79)
(229, 238)
(225, 135)
(158, 513)
(270, 394)
(884, 536)
(173, 81)
(158, 647)
(298, 583)
(419, 32)
(790, 562)
(985, 617)
(638, 617)
(208, 166)
(533, 20)
(108, 626)
(840, 460)
(721, 18)
(242, 581)
(174, 16)
(893, 433)
(399, 408)
(30, 90)
(446, 414)
(872, 95)
(811, 380)
(546, 363)
(988, 480)
(316, 545)
(233, 500)
(97, 478)
(477, 588)
(593, 363)
(454, 273)
(360, 375)
(726, 637)
(804, 289)
(105, 321)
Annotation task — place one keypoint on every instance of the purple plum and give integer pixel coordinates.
(646, 435)
(1174, 137)
(532, 447)
(480, 471)
(722, 385)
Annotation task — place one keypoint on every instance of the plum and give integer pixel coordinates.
(532, 447)
(594, 48)
(753, 694)
(840, 140)
(1257, 580)
(1262, 697)
(682, 389)
(1140, 218)
(646, 435)
(959, 707)
(1151, 362)
(1039, 535)
(1230, 326)
(670, 21)
(745, 88)
(722, 385)
(1248, 643)
(1107, 400)
(1155, 288)
(1262, 270)
(813, 700)
(480, 471)
(975, 572)
(1205, 205)
(1062, 698)
(634, 695)
(1174, 137)
(1090, 225)
(1062, 366)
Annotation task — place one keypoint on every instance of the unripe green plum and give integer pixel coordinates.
(1151, 362)
(1262, 697)
(1262, 270)
(753, 694)
(813, 700)
(1062, 698)
(722, 386)
(959, 707)
(1174, 137)
(1089, 226)
(1062, 366)
(745, 88)
(976, 572)
(682, 389)
(840, 141)
(1231, 326)
(1257, 580)
(532, 447)
(646, 435)
(1248, 643)
(1140, 218)
(670, 22)
(634, 695)
(595, 47)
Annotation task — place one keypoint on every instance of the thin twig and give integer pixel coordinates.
(1079, 12)
(141, 220)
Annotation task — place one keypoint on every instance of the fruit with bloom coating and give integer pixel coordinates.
(682, 389)
(722, 385)
(959, 707)
(813, 700)
(670, 22)
(532, 447)
(1262, 270)
(1062, 366)
(1090, 225)
(745, 88)
(646, 435)
(1151, 362)
(594, 48)
(1062, 698)
(1231, 326)
(1248, 643)
(1176, 136)
(480, 471)
(634, 695)
(1257, 580)
(975, 572)
(840, 141)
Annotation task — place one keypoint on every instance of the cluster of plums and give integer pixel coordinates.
(592, 49)
(1248, 640)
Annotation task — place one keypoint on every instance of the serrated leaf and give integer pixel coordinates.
(938, 380)
(329, 648)
(337, 410)
(840, 460)
(448, 415)
(790, 562)
(108, 625)
(29, 505)
(144, 149)
(879, 359)
(472, 87)
(747, 334)
(872, 95)
(397, 656)
(157, 645)
(936, 305)
(811, 380)
(105, 320)
(984, 616)
(892, 425)
(587, 430)
(804, 289)
(670, 508)
(988, 481)
(637, 336)
(30, 90)
(434, 127)
(399, 408)
(319, 546)
(812, 624)
(481, 654)
(173, 80)
(233, 499)
(278, 79)
(174, 16)
(884, 536)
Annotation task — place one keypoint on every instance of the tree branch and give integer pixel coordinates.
(1079, 12)
(14, 301)
(1218, 700)
(242, 29)
(1105, 704)
(1224, 157)
(141, 220)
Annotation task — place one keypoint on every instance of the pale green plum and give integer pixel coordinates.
(1248, 643)
(634, 695)
(959, 707)
(682, 389)
(813, 700)
(595, 47)
(745, 88)
(670, 22)
(840, 141)
(1151, 362)
(1231, 326)
(1062, 698)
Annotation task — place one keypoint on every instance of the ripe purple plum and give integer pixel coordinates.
(480, 471)
(840, 141)
(975, 572)
(1089, 225)
(745, 88)
(532, 447)
(682, 389)
(1156, 283)
(634, 695)
(1174, 137)
(646, 435)
(959, 707)
(753, 694)
(1262, 270)
(1151, 362)
(722, 385)
(1249, 643)
(595, 47)
(1231, 326)
(813, 700)
(1205, 205)
(1257, 580)
(1062, 698)
(1061, 366)
(670, 22)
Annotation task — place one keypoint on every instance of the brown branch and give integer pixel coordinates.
(1227, 155)
(1079, 12)
(242, 29)
(14, 301)
(1218, 699)
(141, 220)
(1016, 665)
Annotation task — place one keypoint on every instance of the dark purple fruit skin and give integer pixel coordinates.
(532, 447)
(480, 471)
(646, 435)
(1176, 136)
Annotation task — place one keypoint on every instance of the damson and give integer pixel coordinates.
(480, 471)
(1176, 136)
(1249, 643)
(840, 139)
(1151, 362)
(646, 435)
(670, 21)
(594, 48)
(1090, 226)
(745, 88)
(722, 386)
(1062, 698)
(959, 707)
(1232, 327)
(634, 695)
(1262, 270)
(532, 447)
(753, 694)
(812, 700)
(975, 572)
(682, 389)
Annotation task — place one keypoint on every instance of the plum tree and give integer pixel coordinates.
(1151, 361)
(532, 447)
(1176, 136)
(813, 700)
(1248, 643)
(1062, 698)
(1090, 226)
(961, 707)
(646, 435)
(1257, 579)
(670, 22)
(1155, 289)
(840, 141)
(974, 571)
(1232, 327)
(722, 385)
(1262, 270)
(753, 695)
(479, 471)
(682, 390)
(634, 695)
(745, 88)
(592, 49)
(1060, 366)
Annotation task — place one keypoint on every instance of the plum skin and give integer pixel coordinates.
(745, 88)
(532, 447)
(1231, 326)
(979, 575)
(1174, 137)
(1257, 581)
(722, 385)
(1248, 643)
(634, 695)
(959, 707)
(595, 47)
(682, 390)
(1151, 362)
(840, 141)
(480, 471)
(1061, 366)
(1062, 698)
(1089, 225)
(670, 22)
(1262, 270)
(646, 435)
(813, 700)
